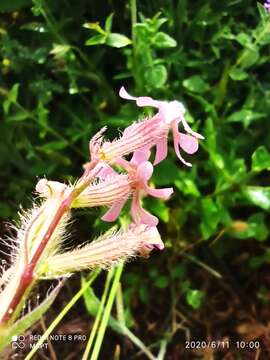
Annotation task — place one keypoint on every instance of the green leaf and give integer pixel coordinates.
(108, 23)
(264, 14)
(60, 50)
(257, 195)
(96, 40)
(250, 57)
(187, 187)
(162, 282)
(244, 39)
(194, 298)
(35, 26)
(260, 159)
(196, 84)
(11, 97)
(13, 93)
(245, 116)
(213, 213)
(238, 74)
(163, 41)
(53, 145)
(18, 116)
(96, 27)
(156, 76)
(236, 168)
(117, 40)
(90, 299)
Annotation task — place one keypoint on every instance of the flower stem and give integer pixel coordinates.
(28, 278)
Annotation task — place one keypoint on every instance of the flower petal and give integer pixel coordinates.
(148, 219)
(114, 211)
(176, 148)
(145, 171)
(140, 156)
(125, 95)
(162, 151)
(188, 143)
(106, 171)
(141, 100)
(160, 193)
(139, 215)
(189, 130)
(176, 140)
(150, 239)
(171, 110)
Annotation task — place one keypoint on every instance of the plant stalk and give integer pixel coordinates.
(27, 278)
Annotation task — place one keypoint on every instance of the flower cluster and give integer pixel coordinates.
(113, 189)
(110, 179)
(140, 138)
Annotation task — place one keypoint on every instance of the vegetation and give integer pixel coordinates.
(62, 64)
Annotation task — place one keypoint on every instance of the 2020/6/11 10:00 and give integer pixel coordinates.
(222, 344)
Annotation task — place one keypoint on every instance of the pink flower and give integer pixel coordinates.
(170, 114)
(106, 191)
(139, 171)
(267, 5)
(136, 136)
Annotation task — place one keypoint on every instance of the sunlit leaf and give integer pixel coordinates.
(117, 40)
(238, 74)
(163, 41)
(260, 159)
(194, 298)
(108, 23)
(257, 195)
(96, 40)
(196, 84)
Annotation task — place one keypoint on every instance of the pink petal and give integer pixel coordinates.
(141, 100)
(171, 110)
(176, 140)
(189, 130)
(123, 162)
(140, 156)
(162, 151)
(145, 171)
(139, 215)
(125, 95)
(160, 193)
(148, 219)
(114, 211)
(106, 170)
(176, 149)
(188, 143)
(147, 101)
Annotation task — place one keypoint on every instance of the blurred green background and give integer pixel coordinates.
(62, 64)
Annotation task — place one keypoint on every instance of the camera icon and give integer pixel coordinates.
(18, 342)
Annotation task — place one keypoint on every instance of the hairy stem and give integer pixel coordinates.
(27, 278)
